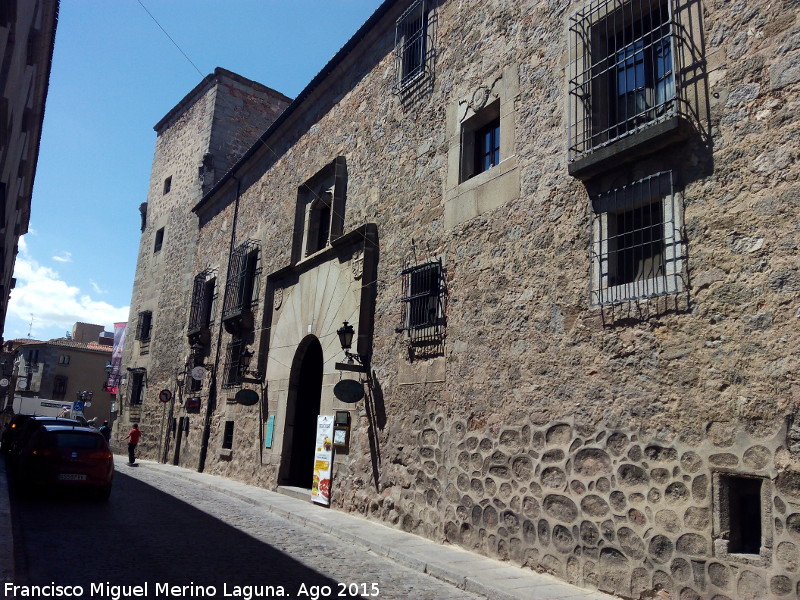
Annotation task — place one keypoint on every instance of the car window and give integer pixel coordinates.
(77, 440)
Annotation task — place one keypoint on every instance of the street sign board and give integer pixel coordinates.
(247, 397)
(165, 395)
(349, 390)
(198, 373)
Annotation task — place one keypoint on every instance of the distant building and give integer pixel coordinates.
(58, 369)
(27, 34)
(565, 236)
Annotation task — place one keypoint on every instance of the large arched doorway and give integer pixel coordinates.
(302, 410)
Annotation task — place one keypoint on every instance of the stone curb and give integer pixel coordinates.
(471, 572)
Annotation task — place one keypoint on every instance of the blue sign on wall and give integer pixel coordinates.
(270, 429)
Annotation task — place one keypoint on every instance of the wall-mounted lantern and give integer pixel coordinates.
(355, 362)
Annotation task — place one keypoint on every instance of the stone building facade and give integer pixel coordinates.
(566, 236)
(57, 370)
(27, 35)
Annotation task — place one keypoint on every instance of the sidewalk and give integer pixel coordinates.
(472, 572)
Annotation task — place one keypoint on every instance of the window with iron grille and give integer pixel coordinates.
(136, 387)
(422, 299)
(144, 325)
(227, 435)
(232, 375)
(242, 283)
(636, 248)
(411, 44)
(201, 309)
(622, 70)
(59, 386)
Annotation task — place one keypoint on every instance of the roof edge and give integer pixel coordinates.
(338, 58)
(192, 97)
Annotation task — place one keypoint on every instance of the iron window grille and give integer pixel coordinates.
(423, 319)
(241, 287)
(144, 326)
(232, 368)
(203, 295)
(622, 70)
(411, 45)
(636, 246)
(136, 388)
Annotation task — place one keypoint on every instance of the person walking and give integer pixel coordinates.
(133, 439)
(105, 430)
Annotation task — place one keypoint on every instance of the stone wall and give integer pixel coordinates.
(582, 440)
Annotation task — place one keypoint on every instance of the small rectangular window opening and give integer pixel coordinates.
(227, 437)
(168, 184)
(741, 513)
(159, 240)
(480, 142)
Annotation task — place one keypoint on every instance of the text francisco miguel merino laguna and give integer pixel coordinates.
(164, 590)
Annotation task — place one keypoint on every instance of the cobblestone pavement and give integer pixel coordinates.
(162, 529)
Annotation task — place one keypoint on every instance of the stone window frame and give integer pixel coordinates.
(167, 184)
(307, 209)
(626, 198)
(719, 525)
(469, 194)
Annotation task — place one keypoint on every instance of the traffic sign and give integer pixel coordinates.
(165, 395)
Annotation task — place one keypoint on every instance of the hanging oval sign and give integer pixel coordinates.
(246, 397)
(349, 390)
(198, 373)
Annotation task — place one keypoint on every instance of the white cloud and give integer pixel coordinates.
(64, 257)
(54, 303)
(97, 289)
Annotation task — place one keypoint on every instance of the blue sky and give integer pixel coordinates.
(115, 74)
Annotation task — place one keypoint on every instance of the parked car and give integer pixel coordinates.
(12, 431)
(66, 457)
(27, 426)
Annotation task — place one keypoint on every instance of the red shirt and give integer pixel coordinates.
(134, 436)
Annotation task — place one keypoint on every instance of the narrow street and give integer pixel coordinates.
(159, 530)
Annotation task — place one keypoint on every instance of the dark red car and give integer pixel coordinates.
(69, 457)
